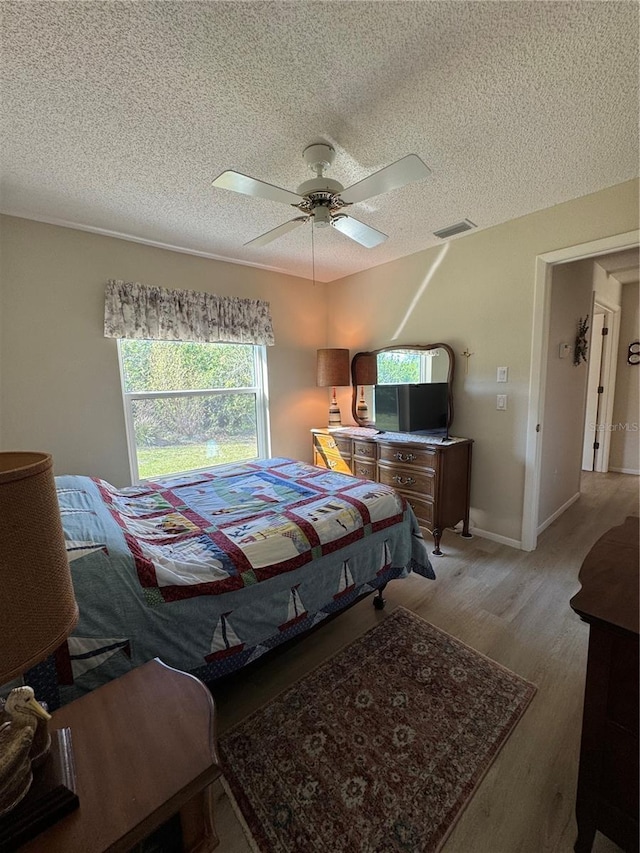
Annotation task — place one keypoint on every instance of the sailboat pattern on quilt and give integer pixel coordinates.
(346, 583)
(79, 655)
(296, 610)
(385, 557)
(225, 641)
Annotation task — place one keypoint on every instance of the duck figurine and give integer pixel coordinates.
(24, 743)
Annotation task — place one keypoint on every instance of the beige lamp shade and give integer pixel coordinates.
(38, 609)
(366, 370)
(333, 367)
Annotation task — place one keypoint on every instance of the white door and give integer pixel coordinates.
(592, 416)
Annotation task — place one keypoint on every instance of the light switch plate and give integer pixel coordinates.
(565, 350)
(503, 374)
(501, 402)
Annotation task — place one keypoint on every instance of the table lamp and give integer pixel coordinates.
(365, 373)
(332, 370)
(38, 611)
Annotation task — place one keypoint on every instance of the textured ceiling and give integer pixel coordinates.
(117, 116)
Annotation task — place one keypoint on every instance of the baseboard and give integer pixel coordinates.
(565, 506)
(496, 537)
(625, 471)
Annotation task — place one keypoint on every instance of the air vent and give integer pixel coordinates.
(458, 228)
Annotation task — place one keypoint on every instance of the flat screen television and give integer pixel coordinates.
(421, 408)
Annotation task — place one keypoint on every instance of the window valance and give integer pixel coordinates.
(134, 310)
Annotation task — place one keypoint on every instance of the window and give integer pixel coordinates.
(190, 406)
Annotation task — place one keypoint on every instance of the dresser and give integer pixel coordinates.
(434, 476)
(607, 796)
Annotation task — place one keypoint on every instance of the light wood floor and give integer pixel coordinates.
(514, 607)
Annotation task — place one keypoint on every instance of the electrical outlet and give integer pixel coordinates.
(503, 374)
(501, 402)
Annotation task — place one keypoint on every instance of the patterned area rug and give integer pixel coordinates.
(378, 749)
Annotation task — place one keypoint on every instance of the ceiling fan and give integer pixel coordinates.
(322, 200)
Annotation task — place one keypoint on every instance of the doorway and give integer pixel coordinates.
(539, 351)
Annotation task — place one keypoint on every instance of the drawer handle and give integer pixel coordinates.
(405, 457)
(403, 481)
(366, 472)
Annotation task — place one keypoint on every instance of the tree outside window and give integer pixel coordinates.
(190, 406)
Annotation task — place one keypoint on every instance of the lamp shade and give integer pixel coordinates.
(38, 609)
(366, 369)
(333, 367)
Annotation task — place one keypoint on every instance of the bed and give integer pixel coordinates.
(210, 570)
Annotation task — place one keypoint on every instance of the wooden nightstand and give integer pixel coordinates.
(144, 748)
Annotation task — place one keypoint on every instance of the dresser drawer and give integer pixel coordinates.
(403, 478)
(365, 470)
(409, 456)
(332, 444)
(423, 510)
(365, 450)
(332, 461)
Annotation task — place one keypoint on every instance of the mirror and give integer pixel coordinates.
(410, 364)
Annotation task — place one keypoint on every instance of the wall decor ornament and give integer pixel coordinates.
(580, 347)
(467, 355)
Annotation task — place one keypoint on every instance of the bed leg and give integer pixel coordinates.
(378, 601)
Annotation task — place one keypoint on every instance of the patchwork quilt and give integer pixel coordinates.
(208, 571)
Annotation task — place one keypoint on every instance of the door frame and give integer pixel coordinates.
(608, 373)
(537, 375)
(596, 346)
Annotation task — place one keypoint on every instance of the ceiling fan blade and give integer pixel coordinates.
(358, 231)
(404, 171)
(239, 183)
(263, 239)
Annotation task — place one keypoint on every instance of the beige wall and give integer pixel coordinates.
(624, 454)
(478, 296)
(60, 388)
(565, 390)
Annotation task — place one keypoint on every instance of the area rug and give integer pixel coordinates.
(378, 749)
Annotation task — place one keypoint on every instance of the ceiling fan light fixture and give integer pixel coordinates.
(321, 216)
